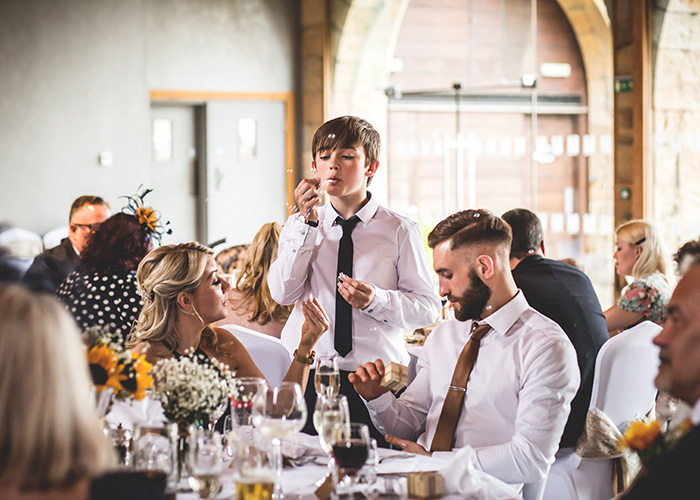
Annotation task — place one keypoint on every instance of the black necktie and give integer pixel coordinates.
(343, 310)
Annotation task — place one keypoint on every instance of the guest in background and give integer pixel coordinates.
(564, 294)
(54, 265)
(674, 473)
(10, 268)
(249, 302)
(687, 256)
(640, 253)
(184, 295)
(52, 445)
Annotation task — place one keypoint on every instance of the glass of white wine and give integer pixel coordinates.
(327, 375)
(279, 412)
(205, 460)
(329, 410)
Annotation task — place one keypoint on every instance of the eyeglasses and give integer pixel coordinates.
(89, 227)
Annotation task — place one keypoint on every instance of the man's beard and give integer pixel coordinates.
(473, 300)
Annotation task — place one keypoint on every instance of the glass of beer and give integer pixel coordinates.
(253, 470)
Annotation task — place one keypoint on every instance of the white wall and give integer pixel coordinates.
(75, 79)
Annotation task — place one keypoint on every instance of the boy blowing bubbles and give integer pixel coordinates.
(384, 277)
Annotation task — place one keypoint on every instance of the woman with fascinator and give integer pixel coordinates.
(102, 291)
(183, 296)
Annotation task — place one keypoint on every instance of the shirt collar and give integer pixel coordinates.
(508, 314)
(695, 413)
(364, 214)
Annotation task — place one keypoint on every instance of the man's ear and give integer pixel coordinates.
(485, 267)
(542, 247)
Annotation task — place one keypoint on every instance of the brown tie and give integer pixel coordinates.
(444, 434)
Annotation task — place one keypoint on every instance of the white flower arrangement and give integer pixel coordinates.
(190, 390)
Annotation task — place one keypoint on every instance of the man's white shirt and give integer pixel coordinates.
(517, 399)
(388, 253)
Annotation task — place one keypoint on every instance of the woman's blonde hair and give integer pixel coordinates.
(50, 435)
(653, 258)
(162, 275)
(252, 282)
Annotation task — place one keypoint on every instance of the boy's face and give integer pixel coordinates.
(344, 171)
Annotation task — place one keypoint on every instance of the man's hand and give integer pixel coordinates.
(307, 197)
(367, 380)
(406, 445)
(359, 294)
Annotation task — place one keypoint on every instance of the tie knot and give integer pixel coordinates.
(480, 331)
(347, 224)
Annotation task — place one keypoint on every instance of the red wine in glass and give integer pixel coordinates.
(350, 455)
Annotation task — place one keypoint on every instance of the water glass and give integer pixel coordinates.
(205, 461)
(242, 400)
(155, 452)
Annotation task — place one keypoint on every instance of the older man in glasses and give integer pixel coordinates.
(53, 265)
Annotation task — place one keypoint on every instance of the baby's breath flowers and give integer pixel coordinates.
(190, 388)
(112, 366)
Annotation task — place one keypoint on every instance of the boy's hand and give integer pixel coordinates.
(367, 380)
(359, 294)
(406, 445)
(316, 322)
(307, 197)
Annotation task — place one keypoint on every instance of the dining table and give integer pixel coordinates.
(306, 468)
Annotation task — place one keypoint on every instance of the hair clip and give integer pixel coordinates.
(144, 294)
(148, 217)
(640, 241)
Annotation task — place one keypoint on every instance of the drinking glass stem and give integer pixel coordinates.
(277, 458)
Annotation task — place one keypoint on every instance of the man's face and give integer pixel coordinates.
(679, 370)
(459, 282)
(84, 222)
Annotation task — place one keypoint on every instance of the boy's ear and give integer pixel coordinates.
(372, 168)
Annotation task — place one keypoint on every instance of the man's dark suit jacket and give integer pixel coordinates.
(51, 267)
(672, 475)
(564, 294)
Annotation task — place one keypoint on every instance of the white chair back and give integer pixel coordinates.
(53, 237)
(623, 388)
(268, 353)
(23, 246)
(535, 491)
(623, 381)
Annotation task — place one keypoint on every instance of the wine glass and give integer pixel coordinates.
(327, 375)
(279, 412)
(351, 445)
(155, 452)
(205, 460)
(245, 389)
(219, 410)
(329, 410)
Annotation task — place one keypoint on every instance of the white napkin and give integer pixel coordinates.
(130, 413)
(301, 444)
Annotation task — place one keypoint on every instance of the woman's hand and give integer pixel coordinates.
(316, 322)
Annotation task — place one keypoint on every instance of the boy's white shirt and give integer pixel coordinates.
(388, 253)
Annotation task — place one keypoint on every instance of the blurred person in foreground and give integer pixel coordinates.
(249, 302)
(640, 253)
(51, 442)
(673, 474)
(564, 294)
(500, 378)
(54, 265)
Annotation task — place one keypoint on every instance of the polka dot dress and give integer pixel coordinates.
(96, 299)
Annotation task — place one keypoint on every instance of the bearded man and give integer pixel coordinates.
(499, 378)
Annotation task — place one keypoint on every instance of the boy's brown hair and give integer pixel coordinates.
(347, 131)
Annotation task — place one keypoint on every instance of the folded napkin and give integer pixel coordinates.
(130, 413)
(301, 444)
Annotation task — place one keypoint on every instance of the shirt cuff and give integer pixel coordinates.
(381, 298)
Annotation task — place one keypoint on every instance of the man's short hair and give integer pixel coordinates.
(81, 201)
(344, 132)
(471, 227)
(527, 232)
(687, 256)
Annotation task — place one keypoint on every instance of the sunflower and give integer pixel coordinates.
(641, 436)
(104, 367)
(136, 379)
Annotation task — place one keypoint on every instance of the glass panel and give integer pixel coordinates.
(162, 140)
(248, 139)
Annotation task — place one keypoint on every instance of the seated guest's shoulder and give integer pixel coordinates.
(123, 485)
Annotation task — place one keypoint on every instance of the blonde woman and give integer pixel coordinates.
(183, 296)
(250, 303)
(51, 443)
(641, 254)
